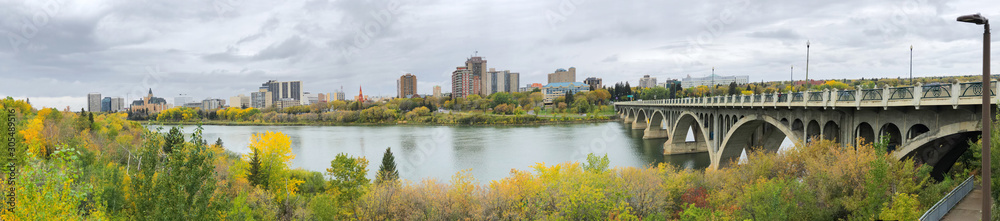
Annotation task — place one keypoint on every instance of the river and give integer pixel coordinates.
(489, 153)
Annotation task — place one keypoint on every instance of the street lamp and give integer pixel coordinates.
(807, 62)
(911, 64)
(980, 20)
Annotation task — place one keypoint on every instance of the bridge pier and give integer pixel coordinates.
(639, 124)
(655, 133)
(675, 148)
(628, 120)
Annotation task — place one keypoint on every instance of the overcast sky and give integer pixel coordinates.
(57, 51)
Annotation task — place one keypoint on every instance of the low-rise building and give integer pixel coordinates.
(212, 104)
(240, 101)
(594, 82)
(555, 90)
(690, 82)
(530, 87)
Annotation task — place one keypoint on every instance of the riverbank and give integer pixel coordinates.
(464, 120)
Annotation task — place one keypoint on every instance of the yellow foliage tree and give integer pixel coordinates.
(275, 152)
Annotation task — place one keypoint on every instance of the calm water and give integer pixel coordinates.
(441, 151)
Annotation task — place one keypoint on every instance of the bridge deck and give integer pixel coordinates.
(970, 208)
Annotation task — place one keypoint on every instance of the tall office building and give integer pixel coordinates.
(117, 104)
(406, 86)
(464, 82)
(339, 96)
(284, 89)
(261, 98)
(594, 82)
(437, 91)
(477, 65)
(563, 75)
(501, 81)
(94, 102)
(647, 82)
(106, 104)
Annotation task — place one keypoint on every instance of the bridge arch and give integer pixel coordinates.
(831, 131)
(812, 131)
(940, 147)
(741, 137)
(916, 130)
(865, 132)
(891, 131)
(688, 120)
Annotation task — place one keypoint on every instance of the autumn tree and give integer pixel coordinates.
(348, 176)
(274, 153)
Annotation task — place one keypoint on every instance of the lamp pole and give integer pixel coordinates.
(911, 64)
(791, 78)
(986, 121)
(713, 82)
(807, 62)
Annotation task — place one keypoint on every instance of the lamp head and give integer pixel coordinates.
(973, 18)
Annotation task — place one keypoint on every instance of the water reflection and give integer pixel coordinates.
(439, 152)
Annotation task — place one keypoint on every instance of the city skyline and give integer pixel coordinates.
(121, 49)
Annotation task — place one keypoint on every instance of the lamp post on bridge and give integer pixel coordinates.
(980, 20)
(911, 65)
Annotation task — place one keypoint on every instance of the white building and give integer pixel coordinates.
(690, 82)
(181, 101)
(647, 82)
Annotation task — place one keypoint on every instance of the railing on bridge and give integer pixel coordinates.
(815, 96)
(846, 96)
(797, 97)
(934, 94)
(976, 89)
(937, 91)
(901, 93)
(871, 94)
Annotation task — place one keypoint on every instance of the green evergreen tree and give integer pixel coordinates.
(218, 142)
(174, 139)
(387, 171)
(256, 178)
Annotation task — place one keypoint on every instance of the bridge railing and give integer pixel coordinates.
(975, 89)
(815, 96)
(871, 94)
(918, 95)
(936, 91)
(901, 93)
(846, 95)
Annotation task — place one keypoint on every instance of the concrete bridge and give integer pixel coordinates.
(930, 123)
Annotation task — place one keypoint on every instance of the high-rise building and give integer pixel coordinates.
(261, 98)
(647, 82)
(406, 86)
(713, 79)
(501, 81)
(477, 65)
(284, 89)
(240, 101)
(117, 104)
(106, 104)
(563, 75)
(94, 102)
(437, 91)
(594, 82)
(464, 83)
(339, 96)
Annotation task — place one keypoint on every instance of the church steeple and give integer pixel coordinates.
(150, 91)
